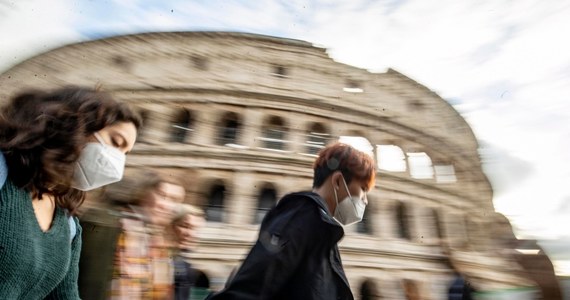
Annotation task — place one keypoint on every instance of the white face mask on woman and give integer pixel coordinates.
(98, 165)
(350, 210)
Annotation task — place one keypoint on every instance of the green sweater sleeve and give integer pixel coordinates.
(68, 289)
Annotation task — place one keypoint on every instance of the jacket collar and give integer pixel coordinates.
(324, 213)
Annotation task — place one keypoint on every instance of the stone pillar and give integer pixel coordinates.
(205, 131)
(423, 225)
(414, 221)
(296, 135)
(386, 221)
(242, 204)
(407, 160)
(251, 128)
(158, 127)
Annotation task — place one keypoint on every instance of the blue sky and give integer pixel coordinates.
(504, 65)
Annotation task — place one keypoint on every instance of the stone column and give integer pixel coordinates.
(424, 226)
(159, 124)
(296, 135)
(407, 160)
(251, 128)
(242, 204)
(205, 131)
(386, 221)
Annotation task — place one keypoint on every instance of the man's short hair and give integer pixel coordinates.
(352, 163)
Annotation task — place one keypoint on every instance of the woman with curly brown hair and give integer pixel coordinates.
(54, 146)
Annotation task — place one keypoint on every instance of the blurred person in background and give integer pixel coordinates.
(411, 290)
(296, 255)
(125, 255)
(54, 146)
(184, 227)
(460, 288)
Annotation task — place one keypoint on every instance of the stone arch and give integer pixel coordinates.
(318, 136)
(369, 290)
(420, 164)
(358, 140)
(391, 157)
(216, 196)
(182, 125)
(266, 200)
(356, 133)
(274, 133)
(229, 128)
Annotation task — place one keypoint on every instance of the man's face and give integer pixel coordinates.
(163, 201)
(357, 188)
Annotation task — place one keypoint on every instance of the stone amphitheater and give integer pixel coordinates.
(239, 118)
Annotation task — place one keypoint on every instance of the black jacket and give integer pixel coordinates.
(295, 257)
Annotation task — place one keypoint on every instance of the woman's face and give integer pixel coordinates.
(121, 135)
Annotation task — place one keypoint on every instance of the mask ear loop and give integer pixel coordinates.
(346, 186)
(351, 199)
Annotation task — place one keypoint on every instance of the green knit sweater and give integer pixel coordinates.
(35, 264)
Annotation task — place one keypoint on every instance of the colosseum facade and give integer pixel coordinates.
(239, 117)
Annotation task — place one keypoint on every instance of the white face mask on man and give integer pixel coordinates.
(98, 165)
(350, 210)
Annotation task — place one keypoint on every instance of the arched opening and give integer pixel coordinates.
(420, 165)
(229, 129)
(265, 201)
(358, 141)
(317, 138)
(182, 126)
(216, 199)
(274, 133)
(369, 290)
(391, 158)
(403, 222)
(445, 173)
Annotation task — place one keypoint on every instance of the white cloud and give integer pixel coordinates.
(32, 26)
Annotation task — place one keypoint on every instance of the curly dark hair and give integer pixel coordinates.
(42, 134)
